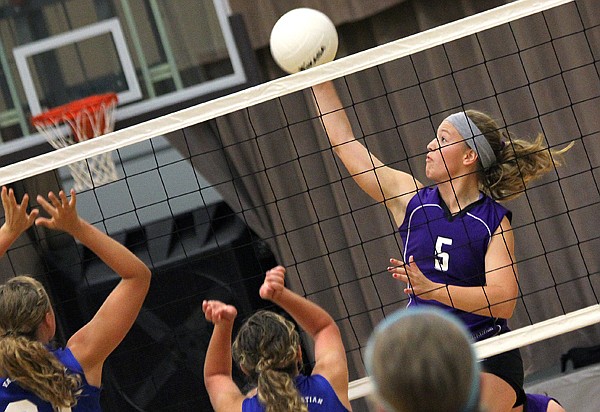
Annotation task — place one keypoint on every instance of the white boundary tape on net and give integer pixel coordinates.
(511, 340)
(276, 88)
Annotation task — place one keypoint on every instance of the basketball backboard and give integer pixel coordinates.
(155, 55)
(107, 33)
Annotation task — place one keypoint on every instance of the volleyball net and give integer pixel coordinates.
(533, 65)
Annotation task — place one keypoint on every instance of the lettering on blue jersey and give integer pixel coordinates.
(6, 383)
(313, 399)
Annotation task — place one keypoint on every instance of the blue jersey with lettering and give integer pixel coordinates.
(13, 398)
(316, 392)
(450, 249)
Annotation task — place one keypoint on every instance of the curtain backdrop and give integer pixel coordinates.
(384, 16)
(292, 191)
(261, 15)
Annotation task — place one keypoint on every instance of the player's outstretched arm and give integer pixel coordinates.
(330, 354)
(381, 182)
(16, 218)
(92, 344)
(223, 392)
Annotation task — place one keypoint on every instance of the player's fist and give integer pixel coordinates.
(216, 311)
(274, 283)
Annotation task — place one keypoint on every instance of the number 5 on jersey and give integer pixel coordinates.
(442, 258)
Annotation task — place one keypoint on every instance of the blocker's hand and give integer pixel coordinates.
(216, 311)
(274, 283)
(62, 211)
(17, 220)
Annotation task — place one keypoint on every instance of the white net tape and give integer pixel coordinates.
(511, 340)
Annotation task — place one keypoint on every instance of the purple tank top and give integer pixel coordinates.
(451, 249)
(537, 403)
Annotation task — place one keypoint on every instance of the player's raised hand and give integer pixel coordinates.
(274, 283)
(216, 311)
(17, 220)
(62, 211)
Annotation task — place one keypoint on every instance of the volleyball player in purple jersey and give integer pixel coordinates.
(458, 242)
(33, 377)
(542, 403)
(267, 349)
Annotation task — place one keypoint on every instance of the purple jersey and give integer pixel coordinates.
(13, 398)
(450, 249)
(537, 403)
(316, 392)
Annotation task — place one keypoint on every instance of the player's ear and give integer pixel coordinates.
(470, 157)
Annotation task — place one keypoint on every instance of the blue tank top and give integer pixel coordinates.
(13, 398)
(316, 392)
(451, 249)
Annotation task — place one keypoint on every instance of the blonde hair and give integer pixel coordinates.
(518, 161)
(421, 360)
(267, 348)
(23, 359)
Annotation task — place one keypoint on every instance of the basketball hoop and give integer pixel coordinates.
(86, 118)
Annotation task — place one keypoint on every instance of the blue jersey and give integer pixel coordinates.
(450, 249)
(13, 398)
(316, 392)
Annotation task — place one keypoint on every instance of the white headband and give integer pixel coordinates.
(474, 138)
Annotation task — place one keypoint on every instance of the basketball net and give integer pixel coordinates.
(78, 121)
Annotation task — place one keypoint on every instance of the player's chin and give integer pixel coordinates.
(429, 170)
(432, 174)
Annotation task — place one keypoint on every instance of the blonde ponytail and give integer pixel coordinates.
(23, 306)
(267, 347)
